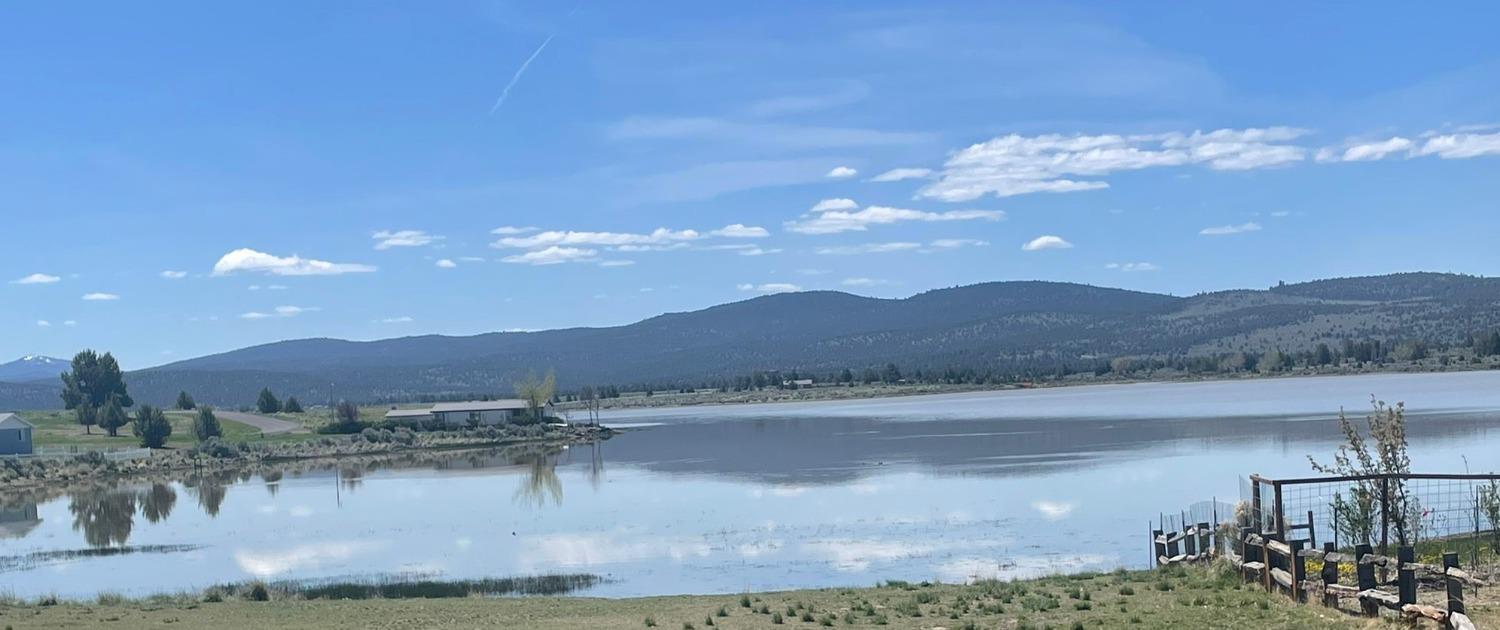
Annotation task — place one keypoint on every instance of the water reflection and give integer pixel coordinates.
(18, 519)
(157, 502)
(209, 490)
(104, 517)
(540, 482)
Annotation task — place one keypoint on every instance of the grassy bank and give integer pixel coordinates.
(1186, 598)
(61, 428)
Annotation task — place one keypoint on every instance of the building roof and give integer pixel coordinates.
(13, 421)
(480, 405)
(408, 413)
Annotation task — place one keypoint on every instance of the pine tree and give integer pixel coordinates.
(291, 405)
(267, 402)
(91, 382)
(151, 427)
(206, 424)
(112, 417)
(185, 402)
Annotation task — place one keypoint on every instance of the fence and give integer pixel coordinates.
(68, 452)
(1282, 528)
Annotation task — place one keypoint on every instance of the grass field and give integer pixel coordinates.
(1191, 598)
(59, 428)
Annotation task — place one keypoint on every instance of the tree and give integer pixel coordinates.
(151, 427)
(291, 405)
(267, 402)
(346, 417)
(112, 417)
(1359, 513)
(589, 396)
(185, 402)
(1323, 355)
(892, 374)
(536, 392)
(87, 416)
(206, 424)
(91, 382)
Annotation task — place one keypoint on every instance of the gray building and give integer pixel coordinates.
(15, 435)
(457, 414)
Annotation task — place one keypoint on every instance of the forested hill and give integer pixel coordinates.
(1001, 329)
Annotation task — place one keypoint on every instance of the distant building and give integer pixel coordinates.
(801, 382)
(457, 414)
(15, 435)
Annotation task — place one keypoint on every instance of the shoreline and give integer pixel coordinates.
(52, 477)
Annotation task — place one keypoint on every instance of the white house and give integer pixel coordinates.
(15, 435)
(457, 414)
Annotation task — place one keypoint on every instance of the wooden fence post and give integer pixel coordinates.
(1312, 532)
(1330, 574)
(1406, 575)
(1299, 571)
(1280, 513)
(1206, 539)
(1455, 587)
(1366, 574)
(1189, 542)
(1157, 545)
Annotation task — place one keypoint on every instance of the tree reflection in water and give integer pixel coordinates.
(104, 517)
(210, 491)
(157, 503)
(540, 482)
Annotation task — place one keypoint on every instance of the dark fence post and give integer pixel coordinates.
(1385, 508)
(1455, 587)
(1312, 532)
(1158, 546)
(1206, 539)
(1189, 542)
(1366, 575)
(1280, 513)
(1406, 575)
(1172, 546)
(1298, 571)
(1330, 575)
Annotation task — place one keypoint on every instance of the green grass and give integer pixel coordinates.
(1200, 598)
(59, 428)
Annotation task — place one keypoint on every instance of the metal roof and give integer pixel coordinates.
(13, 421)
(407, 413)
(480, 405)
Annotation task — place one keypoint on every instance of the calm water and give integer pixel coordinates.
(757, 497)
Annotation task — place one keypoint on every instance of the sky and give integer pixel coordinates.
(183, 178)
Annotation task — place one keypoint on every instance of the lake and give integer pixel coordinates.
(755, 497)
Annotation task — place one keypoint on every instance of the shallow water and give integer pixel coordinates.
(727, 499)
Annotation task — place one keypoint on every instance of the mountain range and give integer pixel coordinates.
(998, 326)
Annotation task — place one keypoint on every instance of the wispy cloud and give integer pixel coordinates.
(899, 174)
(765, 134)
(507, 230)
(1133, 266)
(1046, 242)
(770, 287)
(174, 275)
(1017, 165)
(740, 230)
(835, 221)
(841, 172)
(869, 248)
(386, 239)
(1447, 146)
(834, 204)
(1226, 230)
(36, 278)
(516, 78)
(445, 263)
(863, 282)
(251, 261)
(553, 255)
(42, 323)
(100, 297)
(549, 238)
(403, 319)
(280, 311)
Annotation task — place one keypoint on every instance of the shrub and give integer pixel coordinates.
(151, 427)
(206, 424)
(259, 593)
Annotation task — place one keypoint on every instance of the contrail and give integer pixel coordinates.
(520, 71)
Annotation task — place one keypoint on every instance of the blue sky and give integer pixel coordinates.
(185, 178)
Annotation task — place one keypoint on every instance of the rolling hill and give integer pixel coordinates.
(999, 326)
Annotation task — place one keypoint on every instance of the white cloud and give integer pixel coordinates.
(268, 287)
(249, 260)
(280, 311)
(1365, 151)
(403, 319)
(812, 272)
(792, 137)
(100, 297)
(616, 263)
(835, 221)
(174, 275)
(552, 255)
(898, 174)
(386, 239)
(559, 237)
(770, 287)
(841, 172)
(445, 263)
(507, 230)
(36, 278)
(1281, 213)
(1017, 165)
(43, 323)
(1225, 230)
(1461, 145)
(1046, 242)
(863, 282)
(834, 204)
(70, 323)
(740, 230)
(869, 248)
(1133, 266)
(955, 243)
